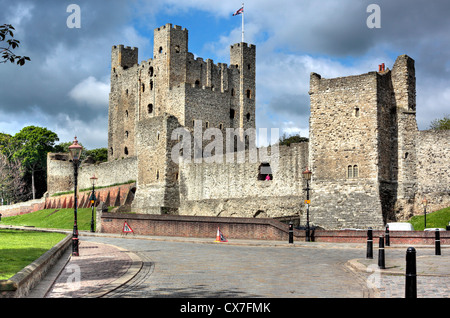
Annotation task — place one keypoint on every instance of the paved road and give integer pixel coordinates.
(176, 269)
(144, 267)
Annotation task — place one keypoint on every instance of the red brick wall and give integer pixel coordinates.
(66, 200)
(249, 228)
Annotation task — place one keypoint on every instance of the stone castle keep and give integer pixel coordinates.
(370, 163)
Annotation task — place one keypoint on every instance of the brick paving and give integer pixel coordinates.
(99, 268)
(142, 267)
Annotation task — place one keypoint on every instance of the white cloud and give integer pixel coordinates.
(91, 92)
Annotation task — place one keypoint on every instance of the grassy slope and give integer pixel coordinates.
(53, 219)
(439, 218)
(20, 248)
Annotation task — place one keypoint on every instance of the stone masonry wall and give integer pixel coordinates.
(344, 152)
(433, 170)
(233, 189)
(60, 173)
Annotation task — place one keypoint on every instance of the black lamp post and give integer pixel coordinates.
(424, 203)
(93, 199)
(307, 176)
(75, 153)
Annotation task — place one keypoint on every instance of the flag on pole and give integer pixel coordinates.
(241, 10)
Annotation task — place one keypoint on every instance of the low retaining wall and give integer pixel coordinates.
(249, 228)
(195, 226)
(22, 208)
(20, 284)
(395, 237)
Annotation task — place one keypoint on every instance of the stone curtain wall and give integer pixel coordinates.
(60, 173)
(233, 189)
(433, 170)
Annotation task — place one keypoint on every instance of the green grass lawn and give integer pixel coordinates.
(436, 219)
(53, 219)
(20, 248)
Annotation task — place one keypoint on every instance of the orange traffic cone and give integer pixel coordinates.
(220, 237)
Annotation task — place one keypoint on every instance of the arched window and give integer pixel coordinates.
(356, 111)
(150, 108)
(248, 116)
(249, 93)
(349, 172)
(160, 49)
(197, 83)
(125, 150)
(355, 171)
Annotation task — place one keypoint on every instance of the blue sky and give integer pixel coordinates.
(65, 86)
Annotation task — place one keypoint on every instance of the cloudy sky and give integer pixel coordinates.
(65, 86)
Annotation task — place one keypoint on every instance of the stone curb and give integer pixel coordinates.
(357, 265)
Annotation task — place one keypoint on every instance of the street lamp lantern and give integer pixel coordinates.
(75, 153)
(307, 176)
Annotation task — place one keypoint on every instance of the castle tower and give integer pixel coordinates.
(172, 89)
(344, 151)
(122, 102)
(170, 51)
(363, 134)
(243, 57)
(404, 94)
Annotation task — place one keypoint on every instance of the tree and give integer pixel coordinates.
(6, 51)
(99, 154)
(12, 185)
(284, 140)
(441, 124)
(33, 145)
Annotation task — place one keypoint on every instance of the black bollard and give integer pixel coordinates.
(411, 277)
(388, 242)
(381, 253)
(291, 233)
(369, 253)
(437, 243)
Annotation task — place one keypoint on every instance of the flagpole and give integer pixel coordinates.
(243, 22)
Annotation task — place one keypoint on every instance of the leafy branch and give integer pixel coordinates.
(6, 52)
